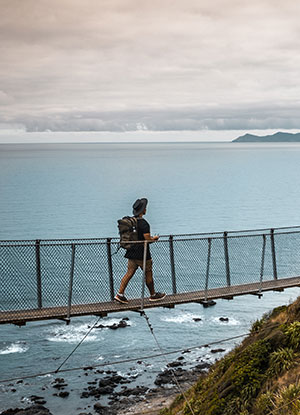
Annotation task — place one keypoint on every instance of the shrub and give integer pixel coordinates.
(263, 404)
(281, 360)
(287, 400)
(257, 325)
(293, 333)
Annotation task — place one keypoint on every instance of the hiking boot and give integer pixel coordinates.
(157, 296)
(121, 298)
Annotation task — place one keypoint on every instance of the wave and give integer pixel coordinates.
(197, 319)
(70, 334)
(18, 347)
(183, 318)
(75, 332)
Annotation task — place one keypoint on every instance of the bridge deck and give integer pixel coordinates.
(20, 317)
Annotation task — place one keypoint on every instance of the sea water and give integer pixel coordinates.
(79, 191)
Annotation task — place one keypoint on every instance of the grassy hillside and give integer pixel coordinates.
(259, 377)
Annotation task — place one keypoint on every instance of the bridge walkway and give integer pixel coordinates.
(21, 317)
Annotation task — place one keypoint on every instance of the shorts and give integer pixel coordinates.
(135, 263)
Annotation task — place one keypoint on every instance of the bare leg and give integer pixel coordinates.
(149, 281)
(127, 277)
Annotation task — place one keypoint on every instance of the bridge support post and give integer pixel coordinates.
(226, 254)
(144, 274)
(110, 269)
(207, 267)
(71, 282)
(38, 273)
(172, 261)
(262, 262)
(273, 254)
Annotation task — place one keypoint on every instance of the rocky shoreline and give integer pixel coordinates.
(109, 393)
(125, 401)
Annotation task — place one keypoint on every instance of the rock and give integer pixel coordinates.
(59, 385)
(115, 326)
(105, 390)
(122, 323)
(217, 350)
(139, 390)
(174, 364)
(59, 380)
(208, 303)
(203, 366)
(63, 394)
(102, 410)
(32, 410)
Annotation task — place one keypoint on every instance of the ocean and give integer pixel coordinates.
(53, 191)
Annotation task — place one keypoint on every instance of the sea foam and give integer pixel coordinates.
(18, 347)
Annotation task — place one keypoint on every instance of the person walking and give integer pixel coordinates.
(135, 255)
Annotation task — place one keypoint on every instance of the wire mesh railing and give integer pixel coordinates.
(44, 274)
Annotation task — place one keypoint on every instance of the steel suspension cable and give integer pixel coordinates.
(113, 363)
(118, 362)
(163, 354)
(76, 347)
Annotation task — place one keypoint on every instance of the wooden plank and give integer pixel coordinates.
(20, 317)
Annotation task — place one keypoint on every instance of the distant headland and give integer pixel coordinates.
(275, 138)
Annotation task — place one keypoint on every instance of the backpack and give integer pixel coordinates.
(128, 231)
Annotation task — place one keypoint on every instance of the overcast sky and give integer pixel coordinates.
(158, 65)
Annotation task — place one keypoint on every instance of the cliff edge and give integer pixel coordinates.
(259, 377)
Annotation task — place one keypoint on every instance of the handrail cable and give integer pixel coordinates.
(163, 236)
(136, 358)
(187, 237)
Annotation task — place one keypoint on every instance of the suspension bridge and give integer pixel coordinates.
(60, 279)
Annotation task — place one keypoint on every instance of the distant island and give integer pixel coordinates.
(275, 138)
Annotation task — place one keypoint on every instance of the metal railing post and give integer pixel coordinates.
(172, 261)
(144, 274)
(38, 273)
(71, 282)
(226, 259)
(207, 267)
(262, 262)
(273, 254)
(110, 269)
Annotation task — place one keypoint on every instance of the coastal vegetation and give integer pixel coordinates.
(261, 376)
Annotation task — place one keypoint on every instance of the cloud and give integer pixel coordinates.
(183, 119)
(116, 65)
